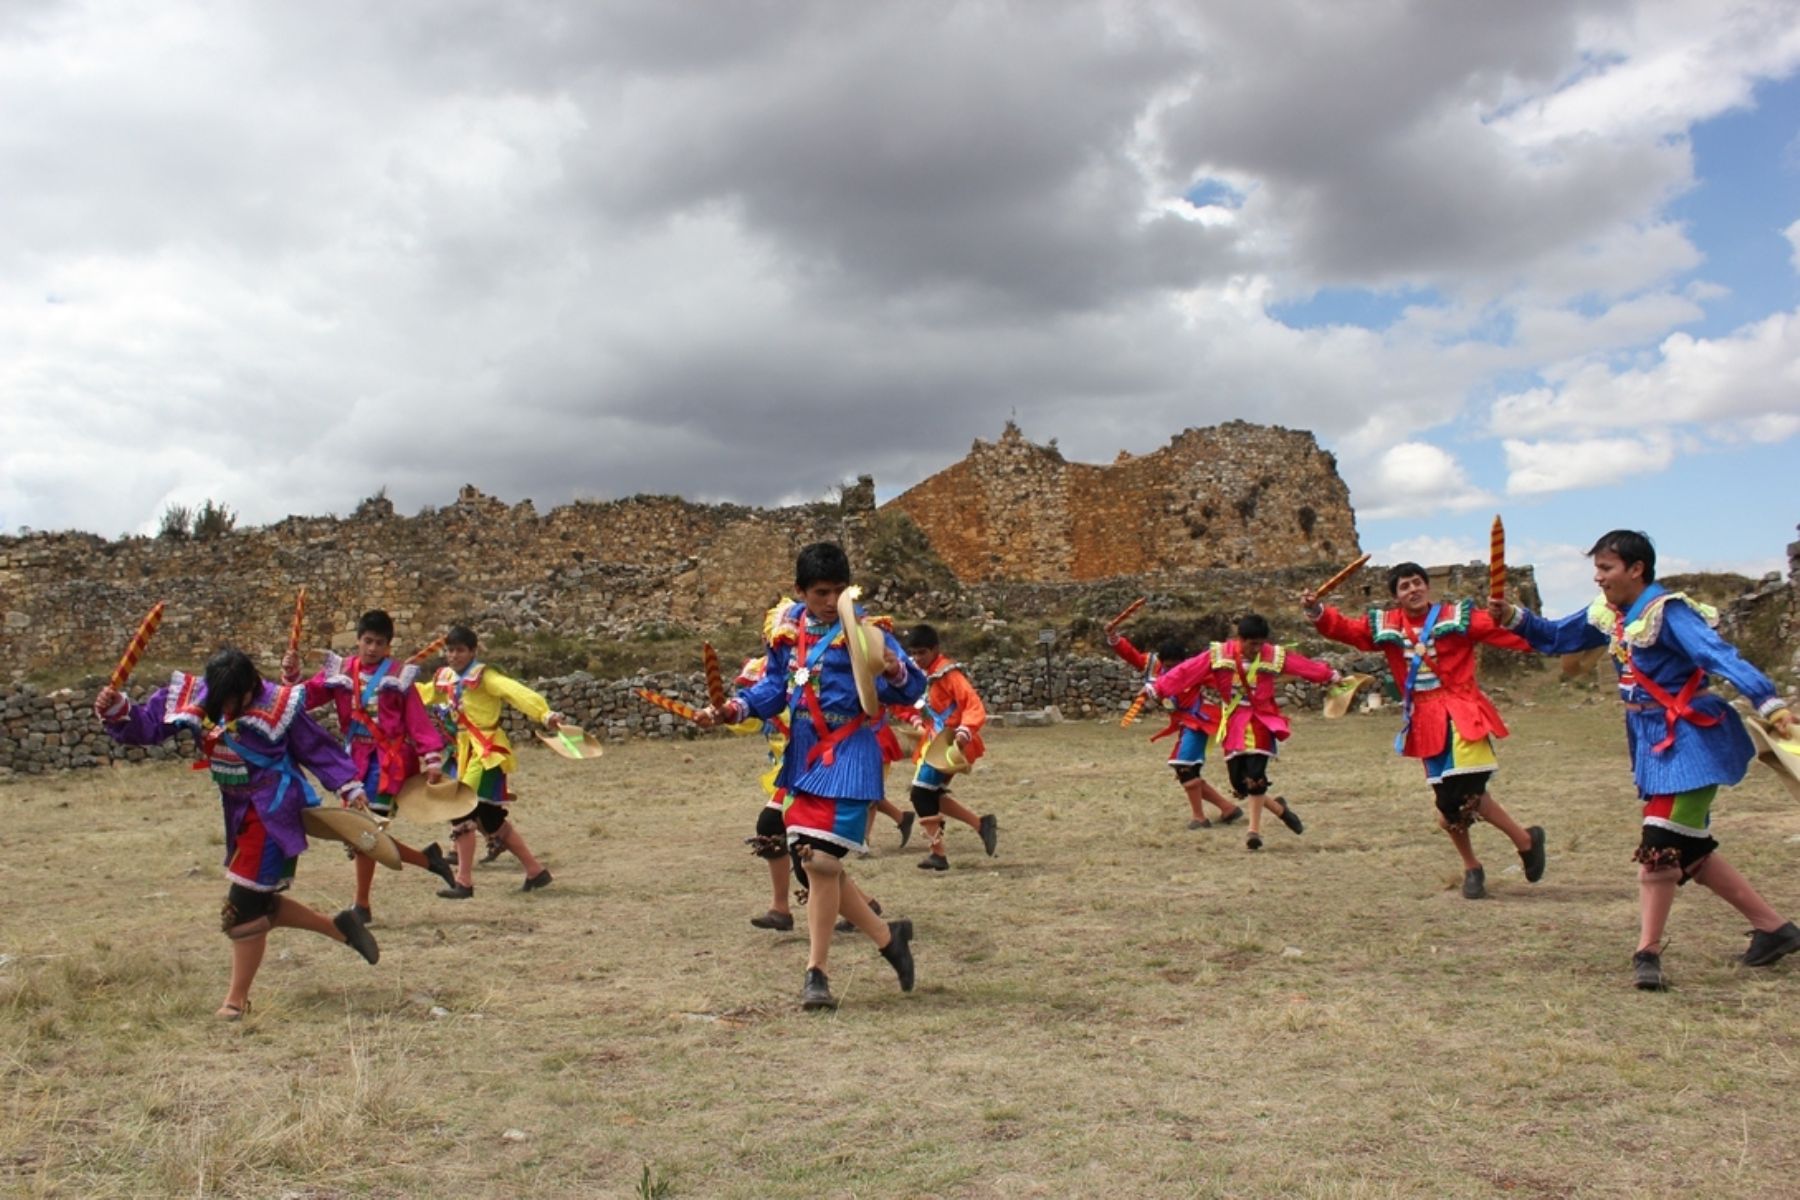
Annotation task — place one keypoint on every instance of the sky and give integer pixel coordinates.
(1539, 258)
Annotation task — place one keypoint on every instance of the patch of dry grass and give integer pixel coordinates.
(1115, 1006)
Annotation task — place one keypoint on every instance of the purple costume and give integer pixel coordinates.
(253, 758)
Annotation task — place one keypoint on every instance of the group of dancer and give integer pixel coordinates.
(830, 680)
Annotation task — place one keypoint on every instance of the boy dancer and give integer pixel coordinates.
(477, 695)
(1193, 723)
(252, 735)
(832, 765)
(387, 732)
(1684, 741)
(950, 702)
(1243, 671)
(1448, 721)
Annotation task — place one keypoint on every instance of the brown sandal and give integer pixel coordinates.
(233, 1012)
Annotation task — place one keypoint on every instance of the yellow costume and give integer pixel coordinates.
(476, 698)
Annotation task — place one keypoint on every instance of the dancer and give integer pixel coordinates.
(1685, 742)
(950, 703)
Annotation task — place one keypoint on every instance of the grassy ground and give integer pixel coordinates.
(1114, 1006)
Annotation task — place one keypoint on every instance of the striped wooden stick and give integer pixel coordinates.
(134, 650)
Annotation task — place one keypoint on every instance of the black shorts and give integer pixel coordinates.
(927, 801)
(768, 823)
(1457, 796)
(1660, 848)
(819, 845)
(1249, 774)
(488, 815)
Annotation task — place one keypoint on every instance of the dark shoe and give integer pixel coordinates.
(815, 993)
(438, 865)
(898, 952)
(774, 920)
(1646, 972)
(1767, 949)
(456, 891)
(541, 880)
(1474, 884)
(906, 827)
(1534, 857)
(1231, 816)
(494, 850)
(1199, 823)
(1253, 842)
(362, 914)
(357, 934)
(1289, 817)
(934, 862)
(990, 833)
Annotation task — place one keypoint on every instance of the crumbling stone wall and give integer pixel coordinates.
(1232, 496)
(606, 569)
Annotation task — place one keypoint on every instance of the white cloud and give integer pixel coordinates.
(1415, 479)
(1534, 468)
(1752, 375)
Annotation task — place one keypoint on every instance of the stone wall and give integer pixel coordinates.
(1229, 496)
(605, 569)
(57, 731)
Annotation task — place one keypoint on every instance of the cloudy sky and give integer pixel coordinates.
(1539, 257)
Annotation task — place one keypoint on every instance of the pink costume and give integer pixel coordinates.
(1251, 721)
(384, 721)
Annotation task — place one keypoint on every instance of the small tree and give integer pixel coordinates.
(212, 521)
(176, 520)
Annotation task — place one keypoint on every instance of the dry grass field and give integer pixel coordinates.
(1114, 1006)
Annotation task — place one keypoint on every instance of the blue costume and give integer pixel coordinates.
(832, 766)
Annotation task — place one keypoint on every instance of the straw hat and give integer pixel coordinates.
(1781, 757)
(1338, 699)
(866, 647)
(944, 755)
(356, 829)
(572, 741)
(424, 802)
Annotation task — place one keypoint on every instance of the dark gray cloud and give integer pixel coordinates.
(286, 254)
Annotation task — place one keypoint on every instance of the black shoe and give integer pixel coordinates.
(357, 934)
(456, 891)
(1253, 842)
(906, 827)
(541, 880)
(494, 850)
(934, 862)
(774, 920)
(1767, 949)
(1534, 857)
(1231, 817)
(1474, 883)
(1199, 823)
(898, 952)
(1289, 817)
(438, 865)
(1646, 972)
(362, 914)
(990, 833)
(815, 993)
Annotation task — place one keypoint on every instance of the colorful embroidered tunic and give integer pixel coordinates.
(834, 750)
(476, 698)
(950, 702)
(382, 716)
(1195, 717)
(1680, 735)
(1442, 693)
(1251, 720)
(253, 759)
